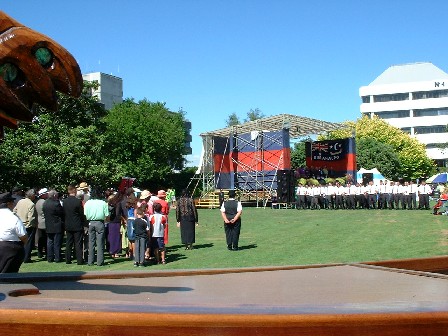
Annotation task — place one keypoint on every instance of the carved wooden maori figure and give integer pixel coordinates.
(32, 68)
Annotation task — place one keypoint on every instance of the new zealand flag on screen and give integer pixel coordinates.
(339, 155)
(330, 150)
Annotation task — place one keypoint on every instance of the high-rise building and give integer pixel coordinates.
(110, 91)
(414, 98)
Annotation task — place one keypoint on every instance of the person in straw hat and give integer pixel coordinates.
(41, 235)
(83, 192)
(146, 204)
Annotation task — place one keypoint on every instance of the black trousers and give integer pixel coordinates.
(54, 243)
(11, 256)
(232, 233)
(31, 234)
(74, 239)
(423, 201)
(41, 237)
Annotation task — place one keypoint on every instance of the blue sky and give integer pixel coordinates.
(213, 58)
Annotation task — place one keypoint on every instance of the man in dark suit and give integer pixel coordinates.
(54, 222)
(74, 226)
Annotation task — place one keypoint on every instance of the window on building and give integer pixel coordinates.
(434, 145)
(430, 94)
(430, 129)
(393, 114)
(440, 163)
(430, 112)
(365, 99)
(390, 97)
(406, 130)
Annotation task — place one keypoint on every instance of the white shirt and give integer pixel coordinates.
(371, 189)
(413, 188)
(424, 189)
(12, 227)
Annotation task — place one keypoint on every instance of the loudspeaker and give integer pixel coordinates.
(366, 178)
(285, 186)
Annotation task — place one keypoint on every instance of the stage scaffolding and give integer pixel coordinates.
(254, 185)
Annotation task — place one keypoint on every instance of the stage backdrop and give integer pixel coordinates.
(338, 156)
(250, 161)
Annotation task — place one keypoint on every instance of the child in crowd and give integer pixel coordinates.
(141, 231)
(147, 214)
(158, 222)
(130, 205)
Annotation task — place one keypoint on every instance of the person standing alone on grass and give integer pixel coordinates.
(187, 218)
(231, 214)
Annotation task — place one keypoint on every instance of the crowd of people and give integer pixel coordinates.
(128, 224)
(385, 195)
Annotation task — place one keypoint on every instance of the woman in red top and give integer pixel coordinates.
(161, 194)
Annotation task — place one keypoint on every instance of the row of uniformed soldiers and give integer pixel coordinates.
(385, 195)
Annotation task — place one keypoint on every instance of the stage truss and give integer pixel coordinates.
(255, 187)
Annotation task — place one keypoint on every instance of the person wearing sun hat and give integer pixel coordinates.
(145, 197)
(12, 236)
(83, 192)
(146, 204)
(41, 235)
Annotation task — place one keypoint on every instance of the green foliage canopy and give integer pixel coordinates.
(232, 120)
(413, 161)
(374, 154)
(57, 148)
(145, 140)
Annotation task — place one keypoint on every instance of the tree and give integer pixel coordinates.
(374, 154)
(254, 115)
(145, 141)
(298, 154)
(57, 148)
(232, 120)
(414, 162)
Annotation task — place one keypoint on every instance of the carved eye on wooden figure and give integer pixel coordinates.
(32, 68)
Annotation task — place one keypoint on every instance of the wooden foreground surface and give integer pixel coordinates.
(316, 300)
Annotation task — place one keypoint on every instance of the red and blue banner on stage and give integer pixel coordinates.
(338, 156)
(249, 160)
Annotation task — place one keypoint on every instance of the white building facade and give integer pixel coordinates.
(414, 98)
(110, 91)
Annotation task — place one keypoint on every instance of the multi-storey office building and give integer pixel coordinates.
(110, 92)
(414, 98)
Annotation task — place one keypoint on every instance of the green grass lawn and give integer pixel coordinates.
(273, 237)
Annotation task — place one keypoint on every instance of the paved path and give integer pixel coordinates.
(322, 290)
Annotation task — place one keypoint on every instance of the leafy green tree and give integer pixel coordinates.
(298, 153)
(146, 141)
(57, 148)
(254, 114)
(232, 120)
(414, 162)
(374, 154)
